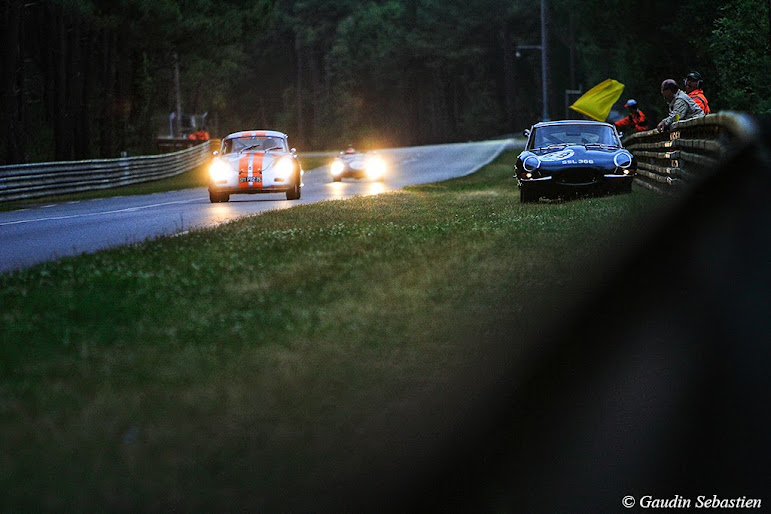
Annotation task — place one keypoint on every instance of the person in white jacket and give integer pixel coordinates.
(681, 106)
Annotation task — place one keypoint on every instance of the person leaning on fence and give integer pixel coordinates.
(681, 106)
(635, 120)
(693, 89)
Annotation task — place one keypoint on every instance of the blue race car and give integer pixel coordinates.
(572, 158)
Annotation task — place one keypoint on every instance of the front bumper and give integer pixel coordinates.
(236, 190)
(351, 173)
(609, 182)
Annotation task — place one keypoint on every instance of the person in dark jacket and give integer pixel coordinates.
(635, 120)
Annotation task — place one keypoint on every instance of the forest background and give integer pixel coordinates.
(84, 79)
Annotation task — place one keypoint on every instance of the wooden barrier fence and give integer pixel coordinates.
(669, 162)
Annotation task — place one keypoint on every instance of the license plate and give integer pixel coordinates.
(250, 179)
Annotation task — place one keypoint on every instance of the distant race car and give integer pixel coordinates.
(255, 161)
(573, 157)
(353, 164)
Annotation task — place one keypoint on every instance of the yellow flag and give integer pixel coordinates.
(596, 102)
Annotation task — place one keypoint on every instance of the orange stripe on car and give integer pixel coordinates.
(250, 166)
(243, 171)
(257, 168)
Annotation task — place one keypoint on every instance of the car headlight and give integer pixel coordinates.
(531, 163)
(375, 167)
(219, 170)
(622, 160)
(337, 167)
(284, 167)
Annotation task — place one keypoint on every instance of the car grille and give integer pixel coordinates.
(577, 176)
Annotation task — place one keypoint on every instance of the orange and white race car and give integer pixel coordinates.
(255, 161)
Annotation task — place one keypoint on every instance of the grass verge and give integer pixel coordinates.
(253, 365)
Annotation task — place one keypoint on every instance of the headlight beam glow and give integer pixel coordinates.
(337, 167)
(375, 167)
(219, 170)
(284, 167)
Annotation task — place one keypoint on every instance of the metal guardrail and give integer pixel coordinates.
(35, 180)
(670, 162)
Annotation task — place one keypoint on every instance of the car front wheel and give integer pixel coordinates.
(295, 193)
(526, 195)
(218, 197)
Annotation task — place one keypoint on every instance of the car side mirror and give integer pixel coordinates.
(215, 153)
(293, 150)
(526, 133)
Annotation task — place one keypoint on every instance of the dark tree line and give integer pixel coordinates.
(87, 78)
(94, 78)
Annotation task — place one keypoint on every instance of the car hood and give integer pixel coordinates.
(257, 161)
(356, 161)
(576, 155)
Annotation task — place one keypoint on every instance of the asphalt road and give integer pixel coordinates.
(49, 232)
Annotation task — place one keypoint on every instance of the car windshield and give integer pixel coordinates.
(578, 134)
(256, 143)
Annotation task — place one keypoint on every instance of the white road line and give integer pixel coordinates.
(84, 215)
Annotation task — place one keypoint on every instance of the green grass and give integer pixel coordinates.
(258, 362)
